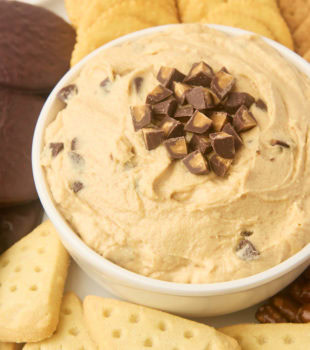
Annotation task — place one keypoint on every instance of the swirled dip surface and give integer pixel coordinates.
(149, 214)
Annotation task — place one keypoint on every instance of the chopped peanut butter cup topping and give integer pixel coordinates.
(198, 113)
(196, 163)
(176, 147)
(167, 75)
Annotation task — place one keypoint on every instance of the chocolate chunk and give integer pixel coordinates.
(152, 137)
(274, 142)
(56, 148)
(141, 116)
(246, 233)
(166, 107)
(212, 100)
(223, 144)
(200, 75)
(179, 90)
(18, 117)
(222, 82)
(246, 250)
(138, 83)
(237, 99)
(17, 221)
(67, 92)
(244, 119)
(199, 123)
(73, 144)
(172, 127)
(229, 129)
(106, 85)
(158, 94)
(184, 112)
(219, 119)
(220, 165)
(196, 97)
(167, 75)
(200, 98)
(176, 147)
(35, 47)
(201, 143)
(196, 163)
(261, 104)
(77, 186)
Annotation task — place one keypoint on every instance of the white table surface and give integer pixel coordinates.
(79, 282)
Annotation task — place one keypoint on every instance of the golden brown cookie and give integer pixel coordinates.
(301, 36)
(236, 19)
(75, 10)
(294, 12)
(122, 18)
(96, 7)
(307, 55)
(191, 11)
(260, 12)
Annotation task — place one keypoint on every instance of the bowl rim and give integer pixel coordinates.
(116, 272)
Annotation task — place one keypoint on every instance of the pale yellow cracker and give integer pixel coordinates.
(281, 336)
(294, 12)
(259, 12)
(32, 277)
(71, 333)
(119, 20)
(76, 9)
(234, 19)
(118, 325)
(10, 346)
(163, 10)
(192, 11)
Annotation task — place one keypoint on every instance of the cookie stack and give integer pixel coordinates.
(35, 49)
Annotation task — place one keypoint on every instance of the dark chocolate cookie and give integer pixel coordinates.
(18, 116)
(35, 46)
(16, 222)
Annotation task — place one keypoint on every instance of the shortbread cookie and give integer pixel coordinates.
(18, 116)
(288, 336)
(16, 222)
(71, 333)
(118, 325)
(35, 46)
(32, 278)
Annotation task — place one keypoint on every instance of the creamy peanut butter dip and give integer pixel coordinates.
(148, 213)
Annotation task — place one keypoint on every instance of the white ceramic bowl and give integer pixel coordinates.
(187, 299)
